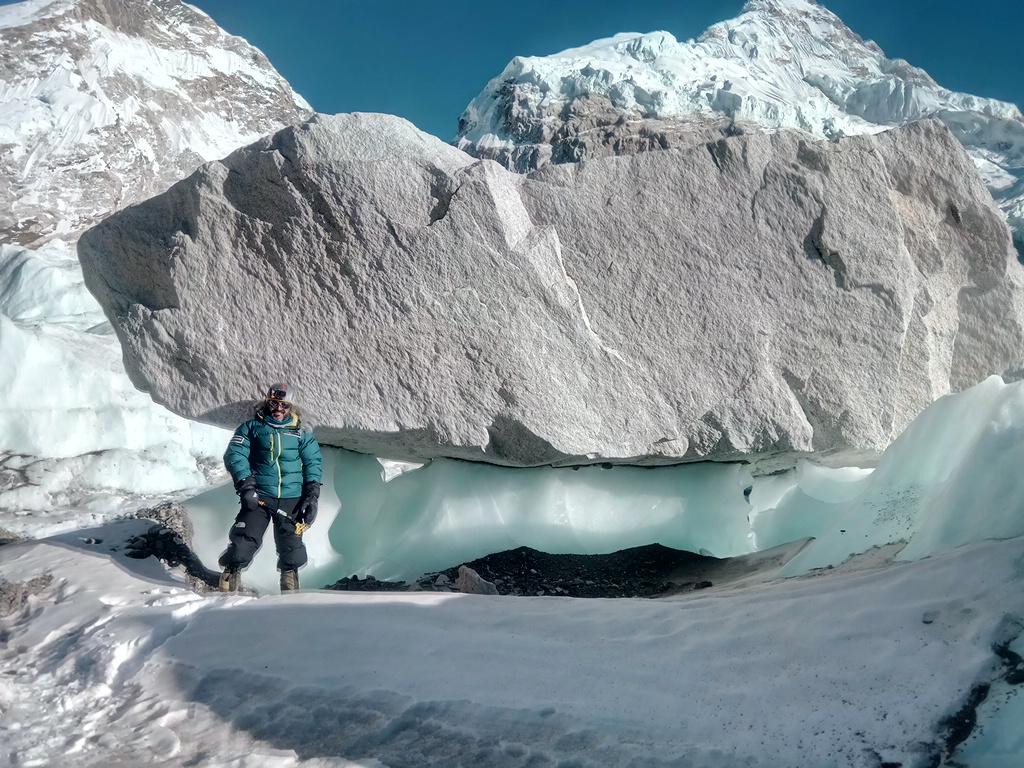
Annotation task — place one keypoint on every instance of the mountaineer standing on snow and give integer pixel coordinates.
(275, 463)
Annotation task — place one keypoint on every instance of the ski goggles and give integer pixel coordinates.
(278, 405)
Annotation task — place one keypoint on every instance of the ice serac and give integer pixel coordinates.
(753, 295)
(779, 64)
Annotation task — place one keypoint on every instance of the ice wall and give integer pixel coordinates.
(78, 442)
(953, 477)
(451, 511)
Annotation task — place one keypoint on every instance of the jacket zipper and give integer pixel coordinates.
(280, 450)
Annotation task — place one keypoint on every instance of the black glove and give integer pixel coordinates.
(246, 490)
(305, 510)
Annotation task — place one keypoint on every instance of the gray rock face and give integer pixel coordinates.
(171, 516)
(472, 583)
(753, 295)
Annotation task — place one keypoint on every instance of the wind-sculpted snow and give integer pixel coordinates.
(779, 64)
(115, 663)
(753, 295)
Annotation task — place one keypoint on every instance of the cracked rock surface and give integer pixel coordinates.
(750, 295)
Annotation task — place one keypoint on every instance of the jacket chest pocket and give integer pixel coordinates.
(277, 441)
(288, 442)
(269, 446)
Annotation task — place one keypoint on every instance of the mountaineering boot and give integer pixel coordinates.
(230, 580)
(289, 580)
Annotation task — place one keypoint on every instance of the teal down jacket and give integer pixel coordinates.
(281, 455)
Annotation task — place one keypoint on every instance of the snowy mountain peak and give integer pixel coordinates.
(640, 46)
(784, 8)
(783, 5)
(779, 64)
(105, 102)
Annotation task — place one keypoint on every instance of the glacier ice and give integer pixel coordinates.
(950, 479)
(451, 511)
(76, 438)
(46, 285)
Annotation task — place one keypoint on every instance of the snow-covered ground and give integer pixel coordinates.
(116, 663)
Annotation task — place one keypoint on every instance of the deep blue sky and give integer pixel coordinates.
(425, 61)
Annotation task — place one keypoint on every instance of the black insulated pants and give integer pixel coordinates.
(246, 536)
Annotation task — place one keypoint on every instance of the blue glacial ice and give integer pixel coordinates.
(951, 478)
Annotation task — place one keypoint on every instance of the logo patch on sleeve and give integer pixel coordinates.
(238, 440)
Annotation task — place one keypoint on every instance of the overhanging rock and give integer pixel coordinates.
(758, 294)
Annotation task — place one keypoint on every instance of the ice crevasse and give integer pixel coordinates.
(951, 478)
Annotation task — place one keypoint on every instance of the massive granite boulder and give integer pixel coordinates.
(750, 296)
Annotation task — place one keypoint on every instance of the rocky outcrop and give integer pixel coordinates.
(14, 595)
(472, 583)
(747, 296)
(594, 127)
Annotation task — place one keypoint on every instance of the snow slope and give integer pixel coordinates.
(102, 103)
(115, 663)
(779, 64)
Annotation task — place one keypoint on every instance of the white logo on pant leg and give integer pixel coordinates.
(240, 524)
